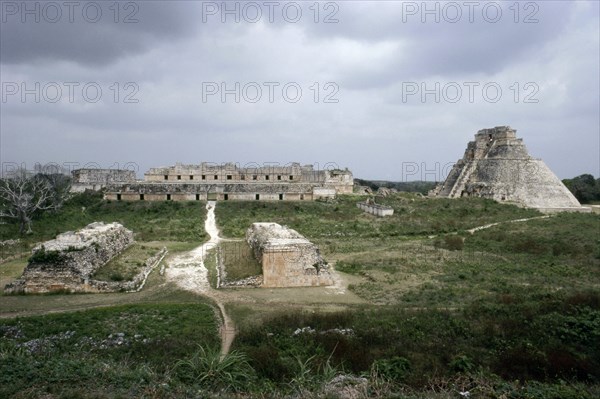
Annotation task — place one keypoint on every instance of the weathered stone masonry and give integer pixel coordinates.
(288, 259)
(498, 166)
(226, 182)
(68, 262)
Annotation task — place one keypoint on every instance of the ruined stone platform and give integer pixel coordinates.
(68, 262)
(288, 259)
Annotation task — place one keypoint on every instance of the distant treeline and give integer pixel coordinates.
(585, 188)
(422, 187)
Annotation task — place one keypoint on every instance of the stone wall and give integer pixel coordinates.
(148, 191)
(96, 179)
(375, 209)
(288, 259)
(134, 284)
(68, 262)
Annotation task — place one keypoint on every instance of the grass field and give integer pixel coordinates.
(150, 221)
(423, 308)
(123, 351)
(238, 260)
(127, 264)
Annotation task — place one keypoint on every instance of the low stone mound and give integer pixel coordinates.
(288, 259)
(67, 262)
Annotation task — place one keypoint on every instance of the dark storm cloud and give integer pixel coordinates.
(430, 44)
(370, 52)
(90, 33)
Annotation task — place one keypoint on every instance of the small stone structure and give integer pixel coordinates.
(68, 262)
(376, 209)
(498, 166)
(288, 259)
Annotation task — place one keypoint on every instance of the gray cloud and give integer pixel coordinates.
(91, 33)
(172, 53)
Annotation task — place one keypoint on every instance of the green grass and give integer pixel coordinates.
(238, 260)
(538, 340)
(150, 221)
(510, 311)
(128, 264)
(341, 219)
(110, 352)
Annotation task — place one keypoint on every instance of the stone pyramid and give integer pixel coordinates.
(497, 165)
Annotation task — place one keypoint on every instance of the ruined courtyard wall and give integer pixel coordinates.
(80, 254)
(293, 267)
(287, 258)
(97, 179)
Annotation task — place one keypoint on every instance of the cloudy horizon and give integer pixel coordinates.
(379, 87)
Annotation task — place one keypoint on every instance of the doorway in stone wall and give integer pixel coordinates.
(211, 196)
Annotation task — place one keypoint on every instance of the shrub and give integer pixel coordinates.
(454, 243)
(462, 364)
(396, 368)
(208, 369)
(47, 257)
(116, 276)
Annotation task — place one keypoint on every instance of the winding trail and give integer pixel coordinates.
(189, 272)
(487, 226)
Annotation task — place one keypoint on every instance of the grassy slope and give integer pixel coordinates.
(150, 221)
(509, 304)
(341, 218)
(70, 354)
(523, 297)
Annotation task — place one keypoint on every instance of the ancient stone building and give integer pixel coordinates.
(96, 179)
(68, 262)
(230, 182)
(375, 209)
(288, 259)
(497, 165)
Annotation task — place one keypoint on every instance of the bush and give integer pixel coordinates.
(46, 257)
(209, 370)
(454, 243)
(396, 369)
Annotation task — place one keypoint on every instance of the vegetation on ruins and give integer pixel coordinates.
(431, 310)
(422, 187)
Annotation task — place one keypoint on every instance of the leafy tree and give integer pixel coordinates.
(584, 188)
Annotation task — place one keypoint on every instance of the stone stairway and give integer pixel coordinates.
(465, 173)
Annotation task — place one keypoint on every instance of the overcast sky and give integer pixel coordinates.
(392, 90)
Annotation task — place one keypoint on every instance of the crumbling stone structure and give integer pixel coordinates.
(97, 179)
(228, 181)
(288, 259)
(68, 262)
(498, 166)
(375, 209)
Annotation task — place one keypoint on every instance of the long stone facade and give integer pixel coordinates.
(288, 259)
(497, 165)
(222, 182)
(97, 179)
(68, 262)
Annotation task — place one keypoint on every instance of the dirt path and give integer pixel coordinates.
(188, 272)
(487, 226)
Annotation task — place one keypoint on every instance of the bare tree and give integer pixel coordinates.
(60, 185)
(22, 195)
